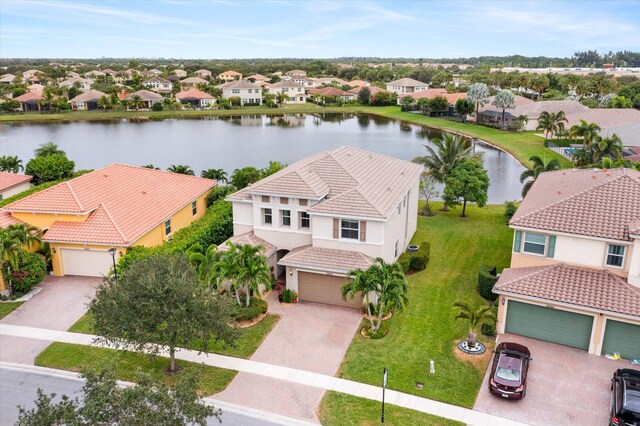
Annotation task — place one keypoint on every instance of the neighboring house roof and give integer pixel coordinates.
(258, 77)
(429, 93)
(158, 79)
(88, 96)
(358, 83)
(29, 97)
(193, 80)
(193, 94)
(519, 101)
(373, 90)
(36, 88)
(590, 202)
(9, 180)
(534, 109)
(6, 219)
(355, 182)
(323, 258)
(632, 154)
(95, 73)
(123, 203)
(71, 81)
(109, 71)
(625, 122)
(283, 83)
(407, 82)
(7, 78)
(330, 91)
(146, 95)
(296, 72)
(321, 80)
(240, 84)
(586, 287)
(232, 73)
(251, 239)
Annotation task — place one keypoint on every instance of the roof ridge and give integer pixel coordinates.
(106, 210)
(75, 196)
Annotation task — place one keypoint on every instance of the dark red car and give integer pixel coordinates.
(509, 371)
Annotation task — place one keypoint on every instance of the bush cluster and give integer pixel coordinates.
(219, 193)
(289, 296)
(486, 280)
(417, 260)
(509, 210)
(242, 313)
(31, 272)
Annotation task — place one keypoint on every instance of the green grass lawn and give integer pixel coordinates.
(65, 356)
(247, 343)
(426, 330)
(7, 307)
(337, 409)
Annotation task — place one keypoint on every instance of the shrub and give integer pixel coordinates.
(242, 313)
(489, 329)
(218, 193)
(379, 333)
(157, 107)
(31, 273)
(289, 296)
(50, 168)
(509, 210)
(405, 263)
(420, 258)
(486, 280)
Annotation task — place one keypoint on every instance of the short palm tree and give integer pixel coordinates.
(539, 166)
(15, 241)
(551, 122)
(361, 283)
(218, 174)
(587, 131)
(104, 102)
(10, 164)
(48, 148)
(523, 119)
(151, 166)
(205, 263)
(450, 151)
(391, 287)
(282, 97)
(135, 101)
(254, 272)
(475, 316)
(610, 147)
(181, 169)
(48, 97)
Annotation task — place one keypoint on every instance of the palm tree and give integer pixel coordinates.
(450, 151)
(253, 271)
(151, 166)
(181, 169)
(206, 263)
(135, 102)
(504, 99)
(391, 287)
(47, 97)
(269, 99)
(610, 147)
(10, 164)
(475, 317)
(523, 119)
(15, 241)
(539, 166)
(361, 282)
(281, 98)
(48, 148)
(104, 102)
(551, 122)
(587, 131)
(218, 174)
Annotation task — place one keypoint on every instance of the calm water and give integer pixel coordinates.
(234, 142)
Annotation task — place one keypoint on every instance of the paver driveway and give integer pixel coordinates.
(564, 386)
(60, 303)
(309, 336)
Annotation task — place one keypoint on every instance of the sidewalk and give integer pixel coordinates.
(453, 412)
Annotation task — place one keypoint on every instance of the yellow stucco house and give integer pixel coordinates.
(118, 206)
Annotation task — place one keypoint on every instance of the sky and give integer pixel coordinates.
(226, 29)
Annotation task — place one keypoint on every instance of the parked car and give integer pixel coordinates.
(625, 398)
(509, 370)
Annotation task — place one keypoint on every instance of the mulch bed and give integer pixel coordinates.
(481, 361)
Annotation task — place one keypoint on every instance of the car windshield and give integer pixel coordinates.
(508, 374)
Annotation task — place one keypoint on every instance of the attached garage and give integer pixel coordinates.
(90, 263)
(549, 324)
(621, 337)
(322, 288)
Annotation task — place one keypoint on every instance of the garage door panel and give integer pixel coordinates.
(91, 263)
(324, 289)
(621, 337)
(552, 325)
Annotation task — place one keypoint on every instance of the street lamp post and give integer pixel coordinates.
(112, 251)
(384, 386)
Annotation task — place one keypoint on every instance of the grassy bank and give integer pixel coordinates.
(427, 330)
(7, 307)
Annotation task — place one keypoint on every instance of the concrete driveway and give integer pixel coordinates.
(309, 336)
(60, 303)
(564, 386)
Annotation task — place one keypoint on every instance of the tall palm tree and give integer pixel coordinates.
(48, 97)
(610, 147)
(587, 131)
(361, 283)
(523, 119)
(391, 287)
(539, 166)
(10, 164)
(218, 174)
(181, 169)
(450, 151)
(48, 148)
(551, 122)
(475, 317)
(253, 272)
(205, 263)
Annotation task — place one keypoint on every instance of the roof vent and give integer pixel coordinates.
(105, 175)
(559, 193)
(389, 189)
(144, 192)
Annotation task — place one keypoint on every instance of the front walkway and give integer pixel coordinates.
(289, 375)
(60, 303)
(563, 383)
(309, 336)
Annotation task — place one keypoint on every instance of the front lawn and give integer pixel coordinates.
(7, 307)
(426, 330)
(65, 356)
(248, 341)
(338, 409)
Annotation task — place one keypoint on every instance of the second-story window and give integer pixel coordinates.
(305, 220)
(615, 255)
(534, 243)
(286, 217)
(194, 207)
(349, 229)
(167, 227)
(267, 215)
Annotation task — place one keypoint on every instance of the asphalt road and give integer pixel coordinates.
(19, 387)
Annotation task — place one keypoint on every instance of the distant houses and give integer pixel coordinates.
(193, 81)
(146, 97)
(86, 101)
(159, 84)
(229, 76)
(249, 93)
(195, 98)
(406, 86)
(295, 92)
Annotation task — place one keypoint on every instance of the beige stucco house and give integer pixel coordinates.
(575, 267)
(249, 93)
(406, 86)
(328, 214)
(229, 76)
(295, 91)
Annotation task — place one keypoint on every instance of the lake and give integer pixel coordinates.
(233, 142)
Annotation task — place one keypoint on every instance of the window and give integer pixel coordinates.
(194, 207)
(286, 217)
(304, 220)
(615, 255)
(302, 202)
(167, 227)
(349, 229)
(534, 243)
(235, 90)
(395, 250)
(268, 216)
(284, 200)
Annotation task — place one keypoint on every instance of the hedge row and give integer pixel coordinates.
(417, 260)
(31, 273)
(215, 227)
(486, 280)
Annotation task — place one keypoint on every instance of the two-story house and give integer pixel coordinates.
(158, 84)
(328, 214)
(406, 86)
(229, 76)
(294, 90)
(249, 93)
(575, 266)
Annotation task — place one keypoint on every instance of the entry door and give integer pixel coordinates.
(90, 263)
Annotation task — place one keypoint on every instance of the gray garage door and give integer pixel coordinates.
(623, 338)
(551, 325)
(324, 289)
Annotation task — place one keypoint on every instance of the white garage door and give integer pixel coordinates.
(90, 263)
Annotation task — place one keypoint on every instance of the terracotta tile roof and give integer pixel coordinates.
(122, 203)
(7, 78)
(330, 91)
(29, 97)
(322, 258)
(590, 202)
(429, 93)
(575, 285)
(193, 80)
(250, 238)
(6, 219)
(258, 77)
(193, 94)
(234, 73)
(356, 182)
(519, 101)
(88, 96)
(407, 82)
(358, 83)
(373, 90)
(8, 180)
(534, 109)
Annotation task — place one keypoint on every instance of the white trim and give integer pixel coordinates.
(306, 268)
(348, 241)
(607, 254)
(340, 215)
(565, 234)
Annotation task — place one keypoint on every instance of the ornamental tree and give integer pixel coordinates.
(505, 99)
(50, 168)
(468, 181)
(478, 93)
